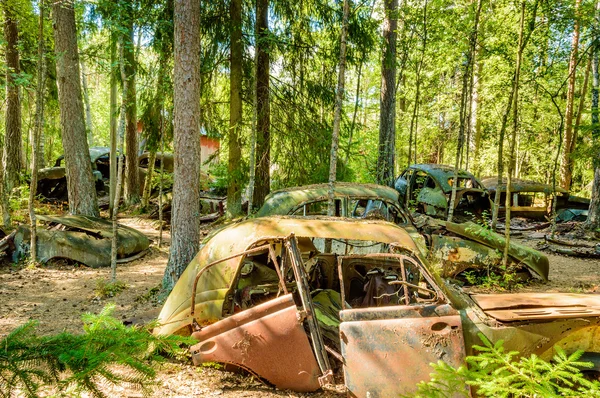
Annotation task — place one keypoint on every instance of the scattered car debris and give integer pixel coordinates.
(534, 200)
(254, 297)
(428, 187)
(453, 248)
(84, 239)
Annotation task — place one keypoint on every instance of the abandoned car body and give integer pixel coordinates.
(429, 188)
(450, 247)
(534, 200)
(84, 239)
(52, 181)
(263, 295)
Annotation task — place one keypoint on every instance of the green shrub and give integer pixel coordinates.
(107, 351)
(497, 373)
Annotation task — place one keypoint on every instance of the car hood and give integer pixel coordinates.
(538, 306)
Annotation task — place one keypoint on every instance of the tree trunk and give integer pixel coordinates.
(387, 103)
(566, 161)
(252, 155)
(513, 140)
(88, 109)
(13, 157)
(496, 206)
(132, 185)
(466, 99)
(80, 182)
(185, 226)
(234, 188)
(39, 125)
(593, 220)
(113, 121)
(337, 112)
(263, 122)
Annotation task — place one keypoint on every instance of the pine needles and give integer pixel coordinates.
(495, 372)
(107, 352)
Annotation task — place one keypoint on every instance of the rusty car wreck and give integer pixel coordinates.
(534, 200)
(264, 295)
(428, 188)
(84, 239)
(452, 248)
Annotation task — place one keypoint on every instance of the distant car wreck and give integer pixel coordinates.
(534, 200)
(454, 248)
(52, 181)
(265, 296)
(428, 187)
(84, 239)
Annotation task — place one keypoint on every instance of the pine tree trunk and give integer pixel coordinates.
(513, 140)
(234, 189)
(119, 179)
(185, 226)
(337, 111)
(88, 109)
(593, 220)
(13, 157)
(263, 112)
(39, 126)
(566, 161)
(132, 184)
(466, 99)
(113, 122)
(80, 183)
(387, 103)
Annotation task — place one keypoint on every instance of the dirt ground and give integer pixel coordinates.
(57, 294)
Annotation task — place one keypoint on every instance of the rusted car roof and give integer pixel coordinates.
(281, 202)
(215, 283)
(518, 185)
(442, 173)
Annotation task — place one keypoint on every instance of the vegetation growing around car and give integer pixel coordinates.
(107, 352)
(494, 372)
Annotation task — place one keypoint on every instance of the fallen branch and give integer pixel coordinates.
(5, 243)
(548, 238)
(132, 258)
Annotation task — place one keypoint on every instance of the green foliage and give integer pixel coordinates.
(105, 289)
(107, 352)
(506, 278)
(495, 372)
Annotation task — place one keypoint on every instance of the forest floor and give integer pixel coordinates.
(57, 294)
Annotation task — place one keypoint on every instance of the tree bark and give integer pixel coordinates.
(466, 99)
(593, 220)
(566, 161)
(263, 118)
(80, 183)
(513, 140)
(113, 121)
(39, 125)
(88, 109)
(337, 111)
(234, 188)
(132, 184)
(387, 103)
(185, 230)
(13, 156)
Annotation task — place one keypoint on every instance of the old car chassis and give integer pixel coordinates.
(262, 308)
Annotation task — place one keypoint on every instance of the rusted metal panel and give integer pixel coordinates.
(247, 234)
(268, 340)
(534, 306)
(386, 358)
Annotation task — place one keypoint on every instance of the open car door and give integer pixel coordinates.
(400, 322)
(271, 339)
